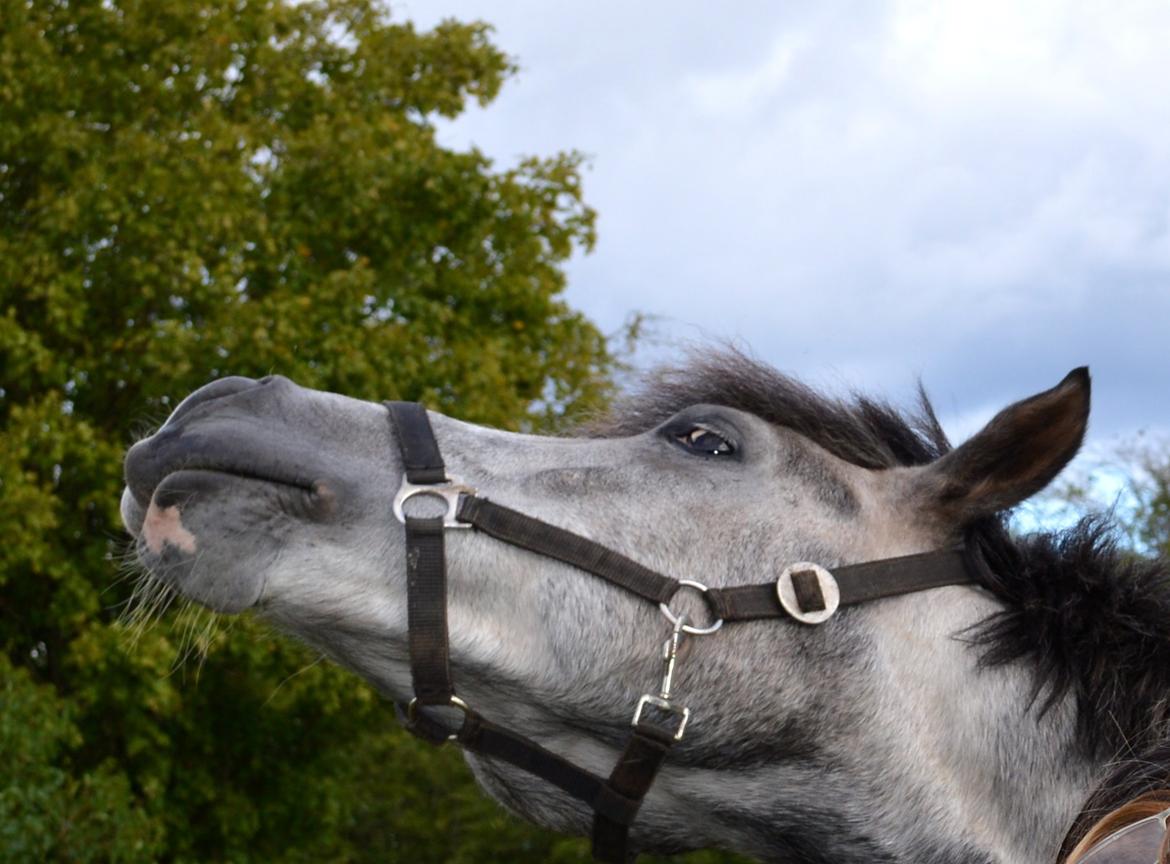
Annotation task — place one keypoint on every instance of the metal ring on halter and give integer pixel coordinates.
(690, 628)
(453, 701)
(449, 491)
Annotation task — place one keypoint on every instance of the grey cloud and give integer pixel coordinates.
(864, 194)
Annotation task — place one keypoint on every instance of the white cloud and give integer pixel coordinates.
(747, 90)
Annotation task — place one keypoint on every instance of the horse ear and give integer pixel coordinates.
(1013, 457)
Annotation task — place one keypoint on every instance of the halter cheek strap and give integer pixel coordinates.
(803, 591)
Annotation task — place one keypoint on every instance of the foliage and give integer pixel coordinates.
(190, 188)
(1132, 482)
(1149, 486)
(45, 810)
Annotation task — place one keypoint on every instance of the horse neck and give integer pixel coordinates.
(987, 764)
(1006, 778)
(953, 763)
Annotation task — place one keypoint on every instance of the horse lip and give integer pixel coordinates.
(292, 483)
(317, 501)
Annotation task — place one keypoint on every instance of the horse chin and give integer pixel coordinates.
(516, 793)
(194, 536)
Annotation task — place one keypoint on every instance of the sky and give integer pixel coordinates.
(976, 195)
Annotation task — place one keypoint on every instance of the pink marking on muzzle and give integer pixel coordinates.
(163, 526)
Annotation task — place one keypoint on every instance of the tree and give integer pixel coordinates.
(191, 188)
(1149, 488)
(1132, 482)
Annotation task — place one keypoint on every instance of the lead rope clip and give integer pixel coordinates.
(662, 701)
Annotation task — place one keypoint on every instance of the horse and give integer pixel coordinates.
(966, 723)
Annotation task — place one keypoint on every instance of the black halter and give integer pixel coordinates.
(804, 591)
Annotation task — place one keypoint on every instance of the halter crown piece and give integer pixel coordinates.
(804, 591)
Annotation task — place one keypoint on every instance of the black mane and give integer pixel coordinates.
(1093, 620)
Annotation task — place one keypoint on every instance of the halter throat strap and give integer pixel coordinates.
(803, 591)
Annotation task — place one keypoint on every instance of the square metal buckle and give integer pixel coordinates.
(684, 714)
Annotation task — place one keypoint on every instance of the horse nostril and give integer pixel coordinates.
(277, 381)
(216, 389)
(142, 468)
(147, 461)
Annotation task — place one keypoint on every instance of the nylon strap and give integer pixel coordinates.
(631, 778)
(426, 611)
(426, 561)
(615, 801)
(485, 738)
(537, 536)
(416, 443)
(858, 583)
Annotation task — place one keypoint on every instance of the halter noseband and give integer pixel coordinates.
(803, 591)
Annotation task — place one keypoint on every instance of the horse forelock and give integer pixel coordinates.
(861, 430)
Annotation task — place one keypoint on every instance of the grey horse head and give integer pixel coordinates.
(877, 736)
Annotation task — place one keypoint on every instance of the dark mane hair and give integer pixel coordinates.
(1092, 620)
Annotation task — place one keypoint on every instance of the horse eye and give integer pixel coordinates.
(699, 439)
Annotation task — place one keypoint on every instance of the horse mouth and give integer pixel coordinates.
(158, 467)
(176, 488)
(211, 535)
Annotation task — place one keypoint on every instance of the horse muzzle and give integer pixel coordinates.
(209, 491)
